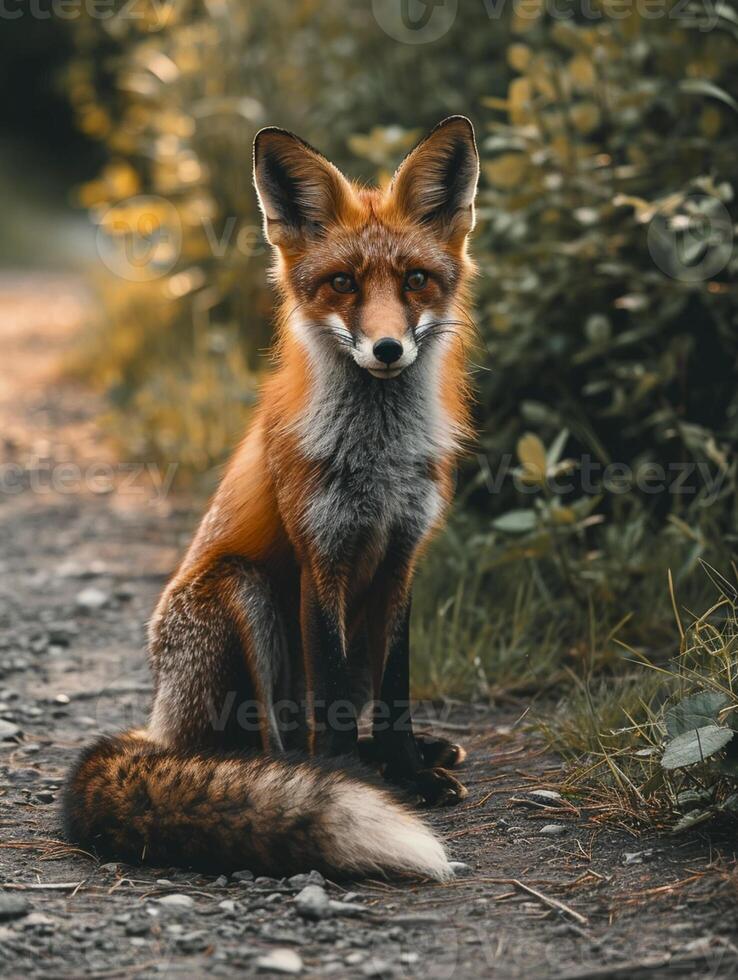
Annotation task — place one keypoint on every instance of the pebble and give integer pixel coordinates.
(177, 901)
(138, 926)
(42, 923)
(8, 730)
(301, 880)
(91, 598)
(280, 961)
(228, 905)
(638, 857)
(13, 907)
(221, 881)
(313, 903)
(243, 876)
(553, 830)
(548, 797)
(460, 868)
(376, 967)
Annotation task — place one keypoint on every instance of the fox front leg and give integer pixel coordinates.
(399, 750)
(334, 729)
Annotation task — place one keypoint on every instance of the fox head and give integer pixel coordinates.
(371, 274)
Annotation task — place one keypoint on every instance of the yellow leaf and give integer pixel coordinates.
(582, 72)
(532, 455)
(585, 116)
(519, 93)
(507, 170)
(518, 56)
(540, 73)
(492, 102)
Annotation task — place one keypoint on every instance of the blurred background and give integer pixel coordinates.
(605, 366)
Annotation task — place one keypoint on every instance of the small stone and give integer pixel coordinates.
(61, 699)
(221, 881)
(176, 901)
(45, 796)
(313, 903)
(228, 905)
(138, 927)
(8, 730)
(280, 961)
(409, 958)
(40, 922)
(243, 876)
(553, 830)
(13, 907)
(548, 797)
(91, 598)
(460, 868)
(301, 880)
(347, 908)
(376, 967)
(353, 959)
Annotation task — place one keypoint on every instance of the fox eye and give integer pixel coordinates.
(343, 283)
(416, 279)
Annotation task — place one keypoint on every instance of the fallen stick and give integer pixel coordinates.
(51, 886)
(553, 903)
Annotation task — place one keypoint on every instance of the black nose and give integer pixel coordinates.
(387, 350)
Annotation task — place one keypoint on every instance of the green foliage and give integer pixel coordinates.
(676, 761)
(606, 326)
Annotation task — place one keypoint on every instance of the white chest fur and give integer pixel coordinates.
(376, 442)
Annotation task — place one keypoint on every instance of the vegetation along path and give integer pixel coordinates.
(85, 546)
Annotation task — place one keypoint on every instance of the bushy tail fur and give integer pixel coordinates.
(130, 799)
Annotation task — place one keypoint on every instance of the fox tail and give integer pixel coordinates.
(130, 799)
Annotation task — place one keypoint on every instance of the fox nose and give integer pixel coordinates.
(387, 350)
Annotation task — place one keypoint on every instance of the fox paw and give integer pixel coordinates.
(437, 752)
(437, 787)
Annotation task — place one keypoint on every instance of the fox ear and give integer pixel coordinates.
(299, 190)
(436, 183)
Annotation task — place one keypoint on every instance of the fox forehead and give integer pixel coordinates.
(372, 251)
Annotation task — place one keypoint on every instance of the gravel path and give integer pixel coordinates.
(85, 546)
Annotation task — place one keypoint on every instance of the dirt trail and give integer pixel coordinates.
(85, 546)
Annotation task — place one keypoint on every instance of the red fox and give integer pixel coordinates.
(290, 611)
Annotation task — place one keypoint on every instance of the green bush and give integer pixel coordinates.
(608, 312)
